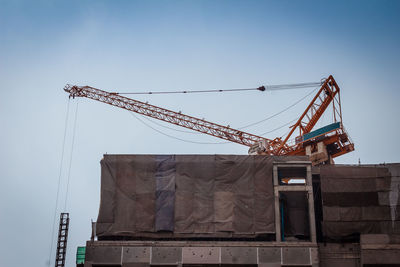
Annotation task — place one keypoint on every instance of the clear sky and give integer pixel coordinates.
(172, 45)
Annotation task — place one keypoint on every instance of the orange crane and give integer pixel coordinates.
(322, 145)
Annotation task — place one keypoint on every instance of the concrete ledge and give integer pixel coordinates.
(198, 244)
(130, 255)
(136, 254)
(104, 255)
(166, 255)
(270, 255)
(201, 255)
(296, 256)
(238, 255)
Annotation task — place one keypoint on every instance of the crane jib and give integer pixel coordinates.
(328, 94)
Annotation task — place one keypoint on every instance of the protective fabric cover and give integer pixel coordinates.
(165, 192)
(359, 200)
(295, 212)
(186, 195)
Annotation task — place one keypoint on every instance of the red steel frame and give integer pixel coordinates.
(326, 95)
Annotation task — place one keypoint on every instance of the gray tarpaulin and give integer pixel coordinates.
(165, 192)
(356, 200)
(186, 195)
(295, 212)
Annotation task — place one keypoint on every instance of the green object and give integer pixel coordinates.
(321, 131)
(80, 255)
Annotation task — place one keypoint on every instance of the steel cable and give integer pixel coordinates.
(278, 113)
(261, 88)
(246, 126)
(58, 185)
(177, 138)
(70, 157)
(218, 143)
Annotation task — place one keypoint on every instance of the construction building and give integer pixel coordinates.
(230, 210)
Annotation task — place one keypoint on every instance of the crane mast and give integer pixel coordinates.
(321, 145)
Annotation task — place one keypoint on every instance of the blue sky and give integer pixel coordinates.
(173, 45)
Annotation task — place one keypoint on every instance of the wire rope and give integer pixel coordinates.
(292, 86)
(278, 113)
(70, 157)
(243, 127)
(261, 88)
(59, 182)
(177, 138)
(217, 143)
(190, 91)
(177, 130)
(280, 127)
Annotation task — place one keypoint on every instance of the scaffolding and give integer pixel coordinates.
(62, 240)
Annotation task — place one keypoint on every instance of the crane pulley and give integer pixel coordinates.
(332, 139)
